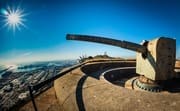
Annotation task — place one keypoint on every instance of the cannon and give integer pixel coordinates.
(155, 59)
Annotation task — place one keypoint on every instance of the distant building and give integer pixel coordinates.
(1, 92)
(23, 96)
(16, 82)
(7, 88)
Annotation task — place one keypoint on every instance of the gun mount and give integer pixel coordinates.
(155, 59)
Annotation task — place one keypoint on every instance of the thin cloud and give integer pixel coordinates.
(26, 54)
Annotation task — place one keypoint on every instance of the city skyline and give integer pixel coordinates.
(47, 23)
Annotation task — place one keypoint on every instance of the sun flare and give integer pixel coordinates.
(14, 18)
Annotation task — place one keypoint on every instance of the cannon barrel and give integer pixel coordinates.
(113, 42)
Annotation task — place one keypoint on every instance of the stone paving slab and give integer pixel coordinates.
(77, 91)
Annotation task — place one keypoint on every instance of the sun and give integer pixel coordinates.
(14, 18)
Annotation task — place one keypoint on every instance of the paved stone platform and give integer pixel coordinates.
(81, 91)
(46, 101)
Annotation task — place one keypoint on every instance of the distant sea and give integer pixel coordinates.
(36, 65)
(2, 67)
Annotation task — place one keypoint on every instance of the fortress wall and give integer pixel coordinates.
(66, 86)
(94, 67)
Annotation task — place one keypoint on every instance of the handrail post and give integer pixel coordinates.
(32, 97)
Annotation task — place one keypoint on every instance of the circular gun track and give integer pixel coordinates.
(148, 87)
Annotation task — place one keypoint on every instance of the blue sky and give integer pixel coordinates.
(48, 22)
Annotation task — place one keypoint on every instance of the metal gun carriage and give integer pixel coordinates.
(155, 59)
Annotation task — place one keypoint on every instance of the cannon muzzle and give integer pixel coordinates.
(113, 42)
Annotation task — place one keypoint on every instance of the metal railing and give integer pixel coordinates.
(60, 74)
(40, 85)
